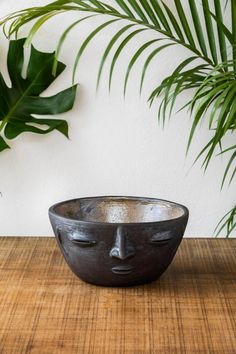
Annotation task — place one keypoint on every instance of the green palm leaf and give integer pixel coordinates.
(221, 35)
(161, 16)
(228, 222)
(87, 41)
(149, 59)
(210, 30)
(62, 40)
(184, 22)
(136, 57)
(198, 27)
(119, 49)
(233, 15)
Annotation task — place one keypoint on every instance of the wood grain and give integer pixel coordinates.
(44, 308)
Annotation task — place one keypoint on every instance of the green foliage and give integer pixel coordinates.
(210, 69)
(21, 101)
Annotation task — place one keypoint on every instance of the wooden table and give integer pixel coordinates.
(44, 308)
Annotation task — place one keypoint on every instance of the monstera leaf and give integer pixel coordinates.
(21, 101)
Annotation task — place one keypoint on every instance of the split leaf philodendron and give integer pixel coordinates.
(21, 101)
(201, 27)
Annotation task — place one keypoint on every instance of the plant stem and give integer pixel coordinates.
(3, 124)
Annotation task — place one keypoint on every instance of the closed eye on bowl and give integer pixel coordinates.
(160, 240)
(82, 241)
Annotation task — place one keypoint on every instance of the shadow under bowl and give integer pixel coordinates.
(118, 241)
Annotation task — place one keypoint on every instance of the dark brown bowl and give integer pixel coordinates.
(118, 241)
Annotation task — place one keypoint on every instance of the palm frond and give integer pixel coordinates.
(109, 47)
(221, 34)
(228, 222)
(233, 16)
(149, 59)
(119, 50)
(88, 40)
(210, 30)
(136, 56)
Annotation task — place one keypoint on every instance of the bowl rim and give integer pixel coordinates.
(52, 212)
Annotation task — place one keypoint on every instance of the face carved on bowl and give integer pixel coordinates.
(120, 253)
(118, 240)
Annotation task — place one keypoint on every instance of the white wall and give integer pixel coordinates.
(116, 147)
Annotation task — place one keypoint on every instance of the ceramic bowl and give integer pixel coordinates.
(118, 241)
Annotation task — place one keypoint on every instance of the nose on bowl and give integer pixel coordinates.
(122, 248)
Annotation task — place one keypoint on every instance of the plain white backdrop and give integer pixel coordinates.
(116, 146)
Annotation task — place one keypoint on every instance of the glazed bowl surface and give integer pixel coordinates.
(118, 241)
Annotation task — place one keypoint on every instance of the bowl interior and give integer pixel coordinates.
(119, 210)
